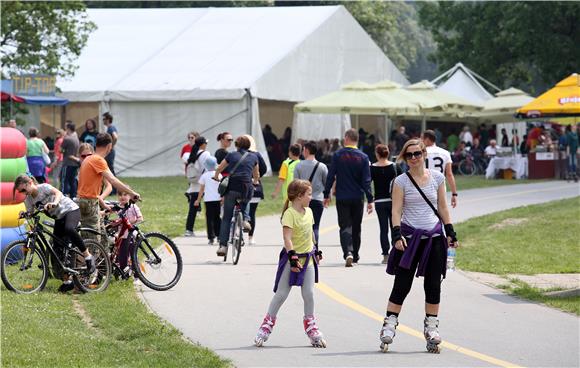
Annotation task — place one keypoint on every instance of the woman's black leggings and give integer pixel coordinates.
(66, 227)
(253, 208)
(432, 279)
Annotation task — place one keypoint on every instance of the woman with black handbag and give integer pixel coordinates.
(421, 235)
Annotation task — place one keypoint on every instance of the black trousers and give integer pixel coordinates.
(212, 219)
(68, 180)
(192, 213)
(432, 280)
(350, 215)
(385, 223)
(253, 208)
(66, 228)
(317, 208)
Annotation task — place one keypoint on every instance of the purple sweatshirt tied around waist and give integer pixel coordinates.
(296, 278)
(412, 247)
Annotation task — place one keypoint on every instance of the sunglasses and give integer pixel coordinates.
(22, 191)
(230, 140)
(87, 155)
(190, 137)
(410, 155)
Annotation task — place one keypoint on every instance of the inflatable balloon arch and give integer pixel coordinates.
(12, 164)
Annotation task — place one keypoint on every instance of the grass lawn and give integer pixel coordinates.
(109, 329)
(527, 240)
(165, 207)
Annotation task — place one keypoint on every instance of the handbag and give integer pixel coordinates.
(225, 182)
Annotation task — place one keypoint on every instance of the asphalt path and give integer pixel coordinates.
(221, 305)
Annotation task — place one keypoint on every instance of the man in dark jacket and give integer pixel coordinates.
(350, 168)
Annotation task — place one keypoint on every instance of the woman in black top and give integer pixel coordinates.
(225, 140)
(383, 172)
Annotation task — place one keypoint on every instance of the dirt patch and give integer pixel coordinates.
(509, 222)
(81, 312)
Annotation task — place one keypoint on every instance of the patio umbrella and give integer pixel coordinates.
(506, 102)
(358, 98)
(562, 100)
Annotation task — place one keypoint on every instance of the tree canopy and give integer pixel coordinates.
(529, 45)
(43, 37)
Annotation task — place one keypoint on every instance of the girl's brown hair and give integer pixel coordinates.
(410, 142)
(382, 150)
(85, 147)
(296, 188)
(22, 179)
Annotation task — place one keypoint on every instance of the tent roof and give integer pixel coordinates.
(218, 53)
(561, 100)
(461, 81)
(508, 100)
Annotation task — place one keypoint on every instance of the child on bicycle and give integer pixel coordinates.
(208, 190)
(133, 215)
(62, 209)
(298, 263)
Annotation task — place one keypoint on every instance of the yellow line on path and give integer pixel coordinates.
(333, 294)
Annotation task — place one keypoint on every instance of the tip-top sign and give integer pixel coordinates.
(34, 85)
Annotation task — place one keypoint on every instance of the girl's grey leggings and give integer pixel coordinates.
(284, 290)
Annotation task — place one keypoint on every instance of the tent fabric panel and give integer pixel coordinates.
(337, 52)
(460, 84)
(320, 126)
(151, 134)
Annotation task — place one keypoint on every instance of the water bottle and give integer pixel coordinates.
(451, 259)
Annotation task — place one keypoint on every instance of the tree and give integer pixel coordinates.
(43, 37)
(529, 45)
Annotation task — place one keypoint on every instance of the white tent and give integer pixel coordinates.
(164, 72)
(463, 82)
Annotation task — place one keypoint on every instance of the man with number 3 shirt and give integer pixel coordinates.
(439, 159)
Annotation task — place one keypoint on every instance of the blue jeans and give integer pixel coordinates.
(317, 208)
(68, 180)
(572, 163)
(229, 203)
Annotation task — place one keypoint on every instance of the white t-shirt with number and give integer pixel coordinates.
(437, 159)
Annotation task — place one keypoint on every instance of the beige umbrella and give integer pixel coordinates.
(506, 102)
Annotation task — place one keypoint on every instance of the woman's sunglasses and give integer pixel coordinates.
(410, 155)
(230, 139)
(22, 191)
(190, 137)
(87, 155)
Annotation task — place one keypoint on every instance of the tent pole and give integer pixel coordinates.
(387, 129)
(424, 123)
(249, 115)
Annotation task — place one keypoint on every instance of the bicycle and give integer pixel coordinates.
(154, 257)
(236, 234)
(469, 166)
(25, 268)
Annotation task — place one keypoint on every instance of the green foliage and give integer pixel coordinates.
(43, 37)
(529, 45)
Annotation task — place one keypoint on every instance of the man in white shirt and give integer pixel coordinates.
(439, 159)
(466, 136)
(491, 150)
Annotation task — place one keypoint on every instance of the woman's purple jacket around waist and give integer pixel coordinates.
(413, 246)
(296, 278)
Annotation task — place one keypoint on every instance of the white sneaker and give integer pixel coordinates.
(251, 241)
(222, 251)
(189, 233)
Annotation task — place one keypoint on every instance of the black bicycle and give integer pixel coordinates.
(236, 234)
(25, 263)
(154, 257)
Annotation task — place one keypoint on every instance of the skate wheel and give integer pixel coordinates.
(319, 344)
(258, 342)
(384, 347)
(433, 348)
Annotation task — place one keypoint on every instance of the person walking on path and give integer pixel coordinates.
(91, 174)
(258, 189)
(286, 174)
(440, 159)
(315, 172)
(383, 172)
(351, 170)
(56, 165)
(194, 170)
(112, 130)
(297, 264)
(572, 151)
(420, 240)
(240, 187)
(208, 191)
(70, 161)
(35, 151)
(225, 139)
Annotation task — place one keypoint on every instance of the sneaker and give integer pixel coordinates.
(247, 226)
(90, 261)
(385, 259)
(251, 241)
(222, 251)
(210, 242)
(189, 233)
(349, 260)
(66, 286)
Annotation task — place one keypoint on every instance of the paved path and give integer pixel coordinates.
(220, 305)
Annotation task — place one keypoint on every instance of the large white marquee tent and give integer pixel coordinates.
(164, 72)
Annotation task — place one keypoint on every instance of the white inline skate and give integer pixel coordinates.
(388, 332)
(316, 337)
(431, 333)
(265, 330)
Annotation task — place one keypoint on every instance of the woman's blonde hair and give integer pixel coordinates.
(410, 142)
(296, 188)
(85, 147)
(252, 143)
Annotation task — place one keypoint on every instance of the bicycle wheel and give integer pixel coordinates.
(24, 271)
(98, 280)
(237, 238)
(467, 167)
(157, 261)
